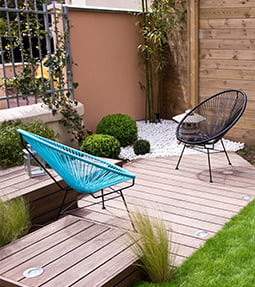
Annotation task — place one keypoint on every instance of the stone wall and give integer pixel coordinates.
(39, 112)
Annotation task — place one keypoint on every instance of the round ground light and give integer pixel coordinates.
(33, 272)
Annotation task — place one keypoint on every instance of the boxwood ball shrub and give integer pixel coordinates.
(121, 126)
(141, 147)
(11, 153)
(101, 145)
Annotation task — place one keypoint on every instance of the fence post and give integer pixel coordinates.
(193, 62)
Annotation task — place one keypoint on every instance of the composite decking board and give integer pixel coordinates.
(135, 196)
(86, 259)
(186, 196)
(189, 160)
(179, 230)
(14, 181)
(177, 194)
(6, 193)
(10, 175)
(10, 172)
(236, 176)
(57, 251)
(185, 235)
(181, 180)
(213, 194)
(6, 282)
(189, 173)
(203, 214)
(162, 198)
(62, 265)
(239, 165)
(163, 206)
(39, 246)
(182, 198)
(40, 192)
(179, 205)
(24, 186)
(29, 239)
(177, 218)
(219, 159)
(107, 270)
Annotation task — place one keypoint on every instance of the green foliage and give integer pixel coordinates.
(101, 145)
(10, 143)
(121, 126)
(141, 147)
(158, 25)
(45, 78)
(248, 153)
(14, 220)
(152, 246)
(227, 259)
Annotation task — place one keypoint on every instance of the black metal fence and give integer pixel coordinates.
(35, 53)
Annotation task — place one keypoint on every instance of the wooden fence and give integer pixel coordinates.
(225, 54)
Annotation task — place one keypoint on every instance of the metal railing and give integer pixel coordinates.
(35, 53)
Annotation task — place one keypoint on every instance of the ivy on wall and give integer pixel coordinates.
(40, 39)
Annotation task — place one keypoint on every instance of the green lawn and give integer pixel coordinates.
(226, 260)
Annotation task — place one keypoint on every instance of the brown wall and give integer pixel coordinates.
(104, 45)
(226, 56)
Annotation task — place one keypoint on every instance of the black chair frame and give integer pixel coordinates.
(208, 141)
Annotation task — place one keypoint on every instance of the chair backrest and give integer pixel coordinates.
(212, 118)
(81, 171)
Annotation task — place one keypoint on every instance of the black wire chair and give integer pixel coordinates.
(209, 121)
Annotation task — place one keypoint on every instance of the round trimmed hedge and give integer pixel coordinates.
(141, 147)
(121, 126)
(101, 145)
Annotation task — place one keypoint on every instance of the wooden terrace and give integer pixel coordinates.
(90, 248)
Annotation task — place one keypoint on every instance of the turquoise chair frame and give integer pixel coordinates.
(82, 172)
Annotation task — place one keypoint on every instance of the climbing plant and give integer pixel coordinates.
(159, 22)
(45, 72)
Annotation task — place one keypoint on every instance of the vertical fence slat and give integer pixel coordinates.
(32, 49)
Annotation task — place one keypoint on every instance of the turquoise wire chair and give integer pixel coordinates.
(82, 172)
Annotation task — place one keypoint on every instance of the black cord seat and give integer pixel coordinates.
(210, 120)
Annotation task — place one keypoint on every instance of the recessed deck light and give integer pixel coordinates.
(246, 197)
(33, 272)
(202, 233)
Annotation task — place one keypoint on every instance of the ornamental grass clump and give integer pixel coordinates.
(14, 219)
(152, 247)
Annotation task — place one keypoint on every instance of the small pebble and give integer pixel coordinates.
(163, 141)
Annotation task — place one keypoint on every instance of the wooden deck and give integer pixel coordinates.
(89, 247)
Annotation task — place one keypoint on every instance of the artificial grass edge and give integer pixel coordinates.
(225, 260)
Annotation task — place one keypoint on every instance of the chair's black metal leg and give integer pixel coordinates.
(177, 166)
(123, 198)
(229, 162)
(209, 165)
(102, 193)
(62, 204)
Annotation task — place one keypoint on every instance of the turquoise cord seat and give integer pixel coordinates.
(82, 172)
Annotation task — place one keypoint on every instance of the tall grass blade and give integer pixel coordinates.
(153, 246)
(14, 220)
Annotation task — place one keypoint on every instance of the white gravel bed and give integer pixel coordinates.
(163, 141)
